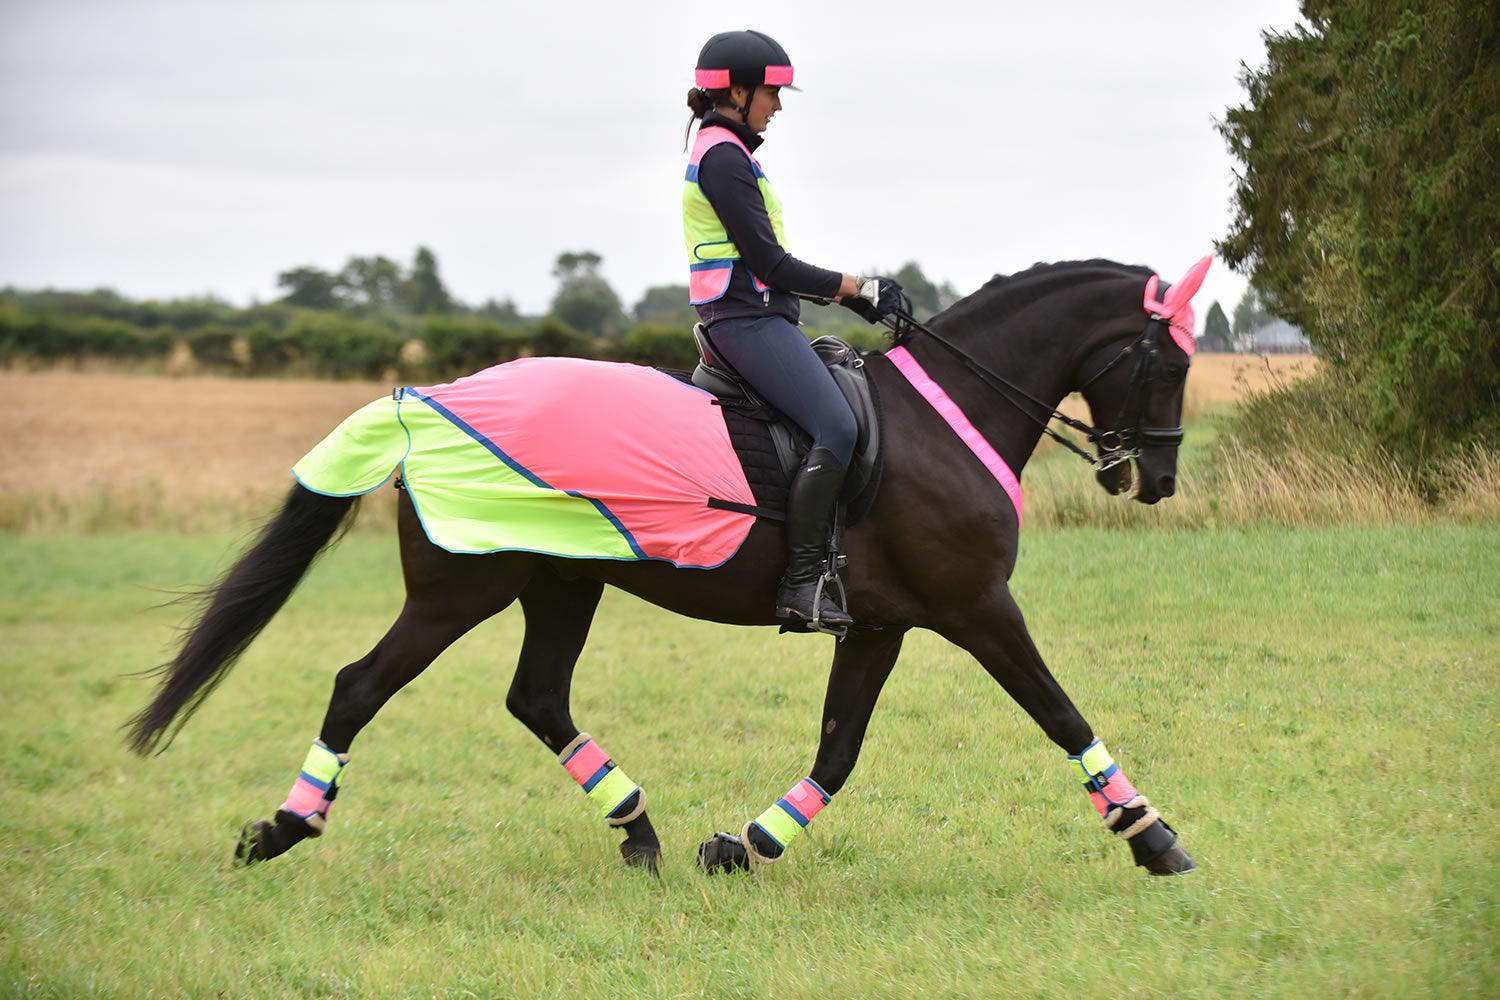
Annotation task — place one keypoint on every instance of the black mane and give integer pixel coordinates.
(1009, 293)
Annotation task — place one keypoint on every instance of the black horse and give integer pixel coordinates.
(935, 551)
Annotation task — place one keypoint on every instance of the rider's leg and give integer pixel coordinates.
(776, 359)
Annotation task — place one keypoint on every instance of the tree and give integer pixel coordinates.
(1216, 335)
(501, 312)
(1367, 203)
(371, 281)
(309, 288)
(572, 265)
(1251, 313)
(423, 291)
(584, 300)
(665, 304)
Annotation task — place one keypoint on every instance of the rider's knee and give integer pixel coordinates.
(839, 435)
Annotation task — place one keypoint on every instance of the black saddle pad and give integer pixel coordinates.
(757, 454)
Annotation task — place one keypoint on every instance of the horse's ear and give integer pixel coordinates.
(1182, 292)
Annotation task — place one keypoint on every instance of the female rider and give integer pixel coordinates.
(745, 286)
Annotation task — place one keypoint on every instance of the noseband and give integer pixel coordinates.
(1122, 445)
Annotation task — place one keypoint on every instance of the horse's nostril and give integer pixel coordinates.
(1166, 485)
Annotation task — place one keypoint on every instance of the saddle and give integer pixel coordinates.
(789, 443)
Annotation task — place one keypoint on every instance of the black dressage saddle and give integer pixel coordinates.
(751, 420)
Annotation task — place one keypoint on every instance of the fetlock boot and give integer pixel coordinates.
(810, 507)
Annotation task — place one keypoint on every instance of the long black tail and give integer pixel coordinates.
(237, 608)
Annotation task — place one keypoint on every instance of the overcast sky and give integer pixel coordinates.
(181, 148)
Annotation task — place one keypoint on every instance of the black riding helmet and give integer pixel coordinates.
(746, 59)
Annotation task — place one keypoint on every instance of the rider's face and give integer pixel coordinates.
(767, 102)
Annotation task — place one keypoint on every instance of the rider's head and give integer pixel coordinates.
(741, 74)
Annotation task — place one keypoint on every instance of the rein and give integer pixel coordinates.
(1115, 446)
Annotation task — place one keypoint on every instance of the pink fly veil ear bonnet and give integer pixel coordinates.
(1176, 306)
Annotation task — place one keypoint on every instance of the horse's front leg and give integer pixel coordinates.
(995, 633)
(861, 663)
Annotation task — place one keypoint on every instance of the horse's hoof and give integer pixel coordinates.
(1173, 861)
(641, 856)
(249, 850)
(1156, 850)
(724, 852)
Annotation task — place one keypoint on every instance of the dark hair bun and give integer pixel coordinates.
(699, 102)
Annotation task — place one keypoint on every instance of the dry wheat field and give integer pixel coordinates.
(103, 451)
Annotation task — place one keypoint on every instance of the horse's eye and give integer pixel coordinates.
(1175, 373)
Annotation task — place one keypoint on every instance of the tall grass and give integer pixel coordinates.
(1294, 453)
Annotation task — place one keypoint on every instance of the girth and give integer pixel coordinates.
(791, 442)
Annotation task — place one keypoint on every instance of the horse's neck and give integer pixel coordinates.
(1033, 350)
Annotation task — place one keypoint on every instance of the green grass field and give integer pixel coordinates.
(1316, 711)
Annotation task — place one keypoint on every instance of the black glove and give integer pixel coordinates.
(877, 299)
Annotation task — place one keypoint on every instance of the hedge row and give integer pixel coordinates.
(332, 345)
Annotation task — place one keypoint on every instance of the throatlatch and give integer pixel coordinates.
(618, 798)
(1125, 811)
(786, 819)
(316, 787)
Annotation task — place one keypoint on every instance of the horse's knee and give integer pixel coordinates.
(353, 698)
(537, 711)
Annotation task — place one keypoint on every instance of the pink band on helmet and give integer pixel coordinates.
(778, 76)
(712, 79)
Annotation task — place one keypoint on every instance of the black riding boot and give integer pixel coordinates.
(809, 516)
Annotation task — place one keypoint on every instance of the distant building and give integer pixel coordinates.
(1276, 337)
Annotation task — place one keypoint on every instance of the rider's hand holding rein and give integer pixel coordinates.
(873, 299)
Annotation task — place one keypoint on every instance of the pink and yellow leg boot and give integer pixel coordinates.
(304, 813)
(316, 786)
(1124, 810)
(618, 798)
(783, 822)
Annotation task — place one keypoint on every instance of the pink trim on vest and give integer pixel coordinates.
(586, 761)
(710, 137)
(711, 79)
(966, 431)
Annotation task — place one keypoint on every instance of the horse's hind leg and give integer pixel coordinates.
(447, 595)
(995, 633)
(558, 615)
(861, 664)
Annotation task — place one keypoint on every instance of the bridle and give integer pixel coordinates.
(1116, 446)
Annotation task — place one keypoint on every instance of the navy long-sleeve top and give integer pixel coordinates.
(728, 182)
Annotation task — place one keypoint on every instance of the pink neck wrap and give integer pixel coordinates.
(962, 426)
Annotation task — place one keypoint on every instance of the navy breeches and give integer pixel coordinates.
(779, 363)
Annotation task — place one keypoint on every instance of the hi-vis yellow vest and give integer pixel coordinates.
(711, 253)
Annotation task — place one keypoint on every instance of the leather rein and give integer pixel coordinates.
(1114, 446)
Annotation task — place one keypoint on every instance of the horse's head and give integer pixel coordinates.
(1135, 391)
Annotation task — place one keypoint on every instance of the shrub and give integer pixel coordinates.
(334, 346)
(214, 346)
(54, 337)
(465, 344)
(553, 338)
(271, 349)
(662, 345)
